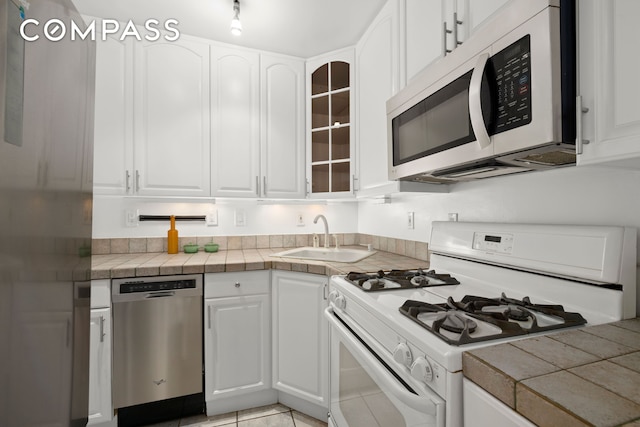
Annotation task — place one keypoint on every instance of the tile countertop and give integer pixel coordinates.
(160, 264)
(583, 377)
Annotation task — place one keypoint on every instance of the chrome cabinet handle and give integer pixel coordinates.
(579, 112)
(102, 334)
(127, 177)
(237, 284)
(456, 23)
(475, 102)
(208, 317)
(444, 38)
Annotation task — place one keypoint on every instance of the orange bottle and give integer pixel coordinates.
(172, 237)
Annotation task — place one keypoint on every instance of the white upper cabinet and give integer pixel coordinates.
(330, 119)
(377, 78)
(152, 128)
(282, 127)
(113, 122)
(433, 28)
(172, 127)
(235, 121)
(608, 37)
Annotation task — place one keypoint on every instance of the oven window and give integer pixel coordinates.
(362, 402)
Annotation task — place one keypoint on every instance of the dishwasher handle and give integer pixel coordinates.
(162, 294)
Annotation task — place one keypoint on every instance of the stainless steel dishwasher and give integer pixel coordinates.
(157, 338)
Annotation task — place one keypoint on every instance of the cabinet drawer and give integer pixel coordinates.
(236, 283)
(100, 293)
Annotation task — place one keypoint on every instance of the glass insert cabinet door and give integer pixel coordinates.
(331, 161)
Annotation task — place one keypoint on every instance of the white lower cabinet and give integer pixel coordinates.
(100, 404)
(100, 408)
(237, 341)
(300, 340)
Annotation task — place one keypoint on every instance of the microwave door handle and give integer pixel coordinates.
(475, 102)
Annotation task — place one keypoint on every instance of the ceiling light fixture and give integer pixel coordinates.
(236, 25)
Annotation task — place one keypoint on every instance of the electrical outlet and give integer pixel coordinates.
(212, 218)
(453, 217)
(410, 220)
(131, 218)
(300, 220)
(240, 218)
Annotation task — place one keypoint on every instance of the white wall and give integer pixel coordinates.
(109, 217)
(574, 195)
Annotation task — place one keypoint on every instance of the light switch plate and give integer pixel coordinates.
(240, 218)
(131, 218)
(212, 218)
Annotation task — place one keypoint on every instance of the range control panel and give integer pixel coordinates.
(498, 243)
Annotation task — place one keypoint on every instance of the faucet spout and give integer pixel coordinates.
(326, 228)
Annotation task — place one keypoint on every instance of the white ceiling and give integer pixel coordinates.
(303, 28)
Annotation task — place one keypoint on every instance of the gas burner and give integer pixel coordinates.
(503, 316)
(399, 279)
(454, 322)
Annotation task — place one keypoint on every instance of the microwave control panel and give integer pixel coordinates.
(512, 68)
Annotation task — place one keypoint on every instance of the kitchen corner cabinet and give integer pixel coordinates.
(378, 76)
(608, 33)
(330, 134)
(300, 336)
(237, 338)
(152, 124)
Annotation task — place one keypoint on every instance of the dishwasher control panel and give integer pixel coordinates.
(145, 286)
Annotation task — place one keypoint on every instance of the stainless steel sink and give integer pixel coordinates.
(326, 254)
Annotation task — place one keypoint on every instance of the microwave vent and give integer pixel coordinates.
(551, 158)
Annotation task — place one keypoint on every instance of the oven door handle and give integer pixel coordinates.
(475, 102)
(422, 404)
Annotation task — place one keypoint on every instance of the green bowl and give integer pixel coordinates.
(190, 249)
(211, 247)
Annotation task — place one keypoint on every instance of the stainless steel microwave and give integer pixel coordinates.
(501, 103)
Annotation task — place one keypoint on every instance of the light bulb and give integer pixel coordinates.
(236, 26)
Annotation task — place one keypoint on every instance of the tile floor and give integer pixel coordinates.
(266, 416)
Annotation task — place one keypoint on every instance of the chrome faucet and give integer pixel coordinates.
(326, 229)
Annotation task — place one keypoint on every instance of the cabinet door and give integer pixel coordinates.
(100, 408)
(423, 34)
(282, 140)
(172, 118)
(330, 119)
(474, 13)
(237, 346)
(41, 392)
(377, 81)
(300, 347)
(608, 33)
(235, 122)
(113, 123)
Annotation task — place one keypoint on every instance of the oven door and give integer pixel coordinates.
(367, 392)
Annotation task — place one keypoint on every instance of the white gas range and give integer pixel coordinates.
(397, 337)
